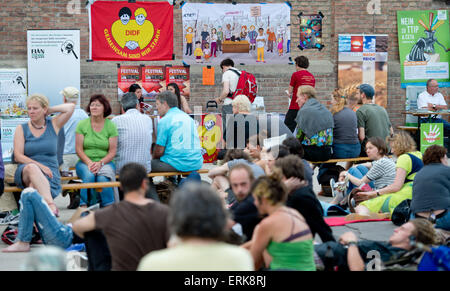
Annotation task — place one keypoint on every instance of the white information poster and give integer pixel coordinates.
(13, 91)
(53, 62)
(8, 128)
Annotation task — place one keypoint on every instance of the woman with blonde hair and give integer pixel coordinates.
(35, 148)
(409, 162)
(283, 239)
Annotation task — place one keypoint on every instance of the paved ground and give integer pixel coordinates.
(12, 262)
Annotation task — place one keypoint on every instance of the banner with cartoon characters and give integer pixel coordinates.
(13, 92)
(247, 33)
(209, 128)
(363, 59)
(424, 47)
(123, 31)
(53, 62)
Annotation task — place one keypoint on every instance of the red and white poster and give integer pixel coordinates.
(153, 81)
(180, 76)
(127, 75)
(123, 31)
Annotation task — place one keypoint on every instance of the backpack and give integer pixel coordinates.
(246, 85)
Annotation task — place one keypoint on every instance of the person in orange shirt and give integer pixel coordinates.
(270, 39)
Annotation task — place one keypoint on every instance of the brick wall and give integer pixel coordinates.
(341, 16)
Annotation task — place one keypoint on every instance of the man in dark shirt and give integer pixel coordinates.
(303, 198)
(133, 227)
(354, 255)
(243, 209)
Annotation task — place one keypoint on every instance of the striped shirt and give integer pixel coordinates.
(382, 172)
(135, 139)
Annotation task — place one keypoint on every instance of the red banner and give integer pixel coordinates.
(122, 31)
(127, 75)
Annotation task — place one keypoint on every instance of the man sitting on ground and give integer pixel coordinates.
(177, 143)
(349, 253)
(133, 227)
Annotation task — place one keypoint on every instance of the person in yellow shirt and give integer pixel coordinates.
(189, 37)
(198, 53)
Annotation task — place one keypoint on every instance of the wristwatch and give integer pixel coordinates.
(378, 193)
(352, 243)
(434, 106)
(102, 163)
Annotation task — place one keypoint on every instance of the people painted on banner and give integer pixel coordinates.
(260, 45)
(219, 38)
(252, 35)
(132, 33)
(189, 38)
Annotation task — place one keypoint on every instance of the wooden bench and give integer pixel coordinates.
(100, 185)
(359, 159)
(408, 128)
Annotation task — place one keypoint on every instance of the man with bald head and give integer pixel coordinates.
(433, 100)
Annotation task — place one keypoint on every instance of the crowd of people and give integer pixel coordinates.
(259, 212)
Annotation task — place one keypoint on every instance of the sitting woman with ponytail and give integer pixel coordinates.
(282, 240)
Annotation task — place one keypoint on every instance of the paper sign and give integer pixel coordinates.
(431, 134)
(208, 76)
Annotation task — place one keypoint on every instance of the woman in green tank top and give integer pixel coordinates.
(282, 240)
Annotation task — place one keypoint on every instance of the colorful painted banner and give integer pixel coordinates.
(211, 135)
(153, 81)
(431, 134)
(424, 46)
(363, 59)
(180, 76)
(13, 92)
(123, 31)
(247, 33)
(127, 75)
(311, 31)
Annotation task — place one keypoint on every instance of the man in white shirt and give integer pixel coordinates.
(433, 100)
(70, 158)
(135, 138)
(135, 134)
(230, 79)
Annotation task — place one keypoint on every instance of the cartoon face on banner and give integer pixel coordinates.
(210, 134)
(131, 31)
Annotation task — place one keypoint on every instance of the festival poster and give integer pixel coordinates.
(311, 31)
(153, 81)
(124, 31)
(127, 75)
(180, 76)
(13, 92)
(247, 33)
(363, 59)
(431, 134)
(424, 46)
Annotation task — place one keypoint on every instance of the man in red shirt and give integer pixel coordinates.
(299, 78)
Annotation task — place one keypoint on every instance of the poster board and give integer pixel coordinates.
(153, 81)
(53, 62)
(126, 76)
(13, 92)
(8, 128)
(424, 46)
(431, 134)
(231, 31)
(363, 59)
(180, 76)
(311, 31)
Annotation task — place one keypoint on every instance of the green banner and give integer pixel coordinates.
(424, 46)
(431, 134)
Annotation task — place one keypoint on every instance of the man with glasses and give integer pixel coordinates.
(433, 100)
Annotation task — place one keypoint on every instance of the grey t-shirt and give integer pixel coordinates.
(257, 170)
(345, 127)
(374, 119)
(431, 189)
(382, 172)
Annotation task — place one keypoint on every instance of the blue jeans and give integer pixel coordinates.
(33, 208)
(443, 222)
(192, 177)
(107, 194)
(359, 171)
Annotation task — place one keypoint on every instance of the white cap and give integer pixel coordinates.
(71, 93)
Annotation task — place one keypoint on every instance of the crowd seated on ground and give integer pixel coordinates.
(262, 196)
